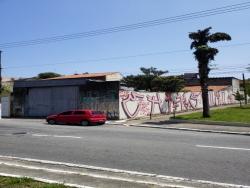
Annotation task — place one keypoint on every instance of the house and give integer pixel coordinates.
(39, 98)
(192, 83)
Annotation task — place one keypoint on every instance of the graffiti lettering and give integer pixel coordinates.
(138, 104)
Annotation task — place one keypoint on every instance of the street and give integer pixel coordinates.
(195, 155)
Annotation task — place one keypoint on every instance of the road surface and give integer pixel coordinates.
(201, 156)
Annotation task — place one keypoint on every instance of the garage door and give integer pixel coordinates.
(45, 101)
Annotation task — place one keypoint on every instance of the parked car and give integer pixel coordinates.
(82, 117)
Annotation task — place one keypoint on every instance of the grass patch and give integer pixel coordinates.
(231, 114)
(10, 182)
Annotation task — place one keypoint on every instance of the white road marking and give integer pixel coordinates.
(56, 136)
(97, 176)
(40, 135)
(178, 179)
(221, 147)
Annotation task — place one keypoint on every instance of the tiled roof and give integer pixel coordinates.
(85, 75)
(198, 88)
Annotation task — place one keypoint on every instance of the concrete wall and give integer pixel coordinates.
(5, 106)
(138, 104)
(236, 85)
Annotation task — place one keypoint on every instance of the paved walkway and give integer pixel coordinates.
(195, 127)
(164, 122)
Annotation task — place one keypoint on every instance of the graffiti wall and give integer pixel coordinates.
(138, 104)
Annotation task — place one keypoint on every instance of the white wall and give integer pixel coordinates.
(236, 85)
(5, 106)
(138, 104)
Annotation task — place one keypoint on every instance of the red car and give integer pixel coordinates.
(82, 117)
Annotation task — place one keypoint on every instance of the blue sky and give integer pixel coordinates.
(29, 19)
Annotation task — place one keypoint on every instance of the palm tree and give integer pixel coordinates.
(204, 54)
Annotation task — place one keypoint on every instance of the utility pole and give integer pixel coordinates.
(0, 84)
(0, 73)
(244, 88)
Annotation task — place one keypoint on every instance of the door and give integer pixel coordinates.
(65, 117)
(51, 100)
(78, 116)
(64, 99)
(39, 102)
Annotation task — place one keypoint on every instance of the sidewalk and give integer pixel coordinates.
(164, 122)
(195, 127)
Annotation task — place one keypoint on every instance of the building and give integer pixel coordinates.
(104, 92)
(192, 83)
(39, 98)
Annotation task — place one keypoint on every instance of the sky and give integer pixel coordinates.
(29, 19)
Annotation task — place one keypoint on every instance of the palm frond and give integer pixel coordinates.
(219, 37)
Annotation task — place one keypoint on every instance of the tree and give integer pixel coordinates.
(152, 71)
(168, 83)
(204, 54)
(5, 90)
(153, 80)
(143, 81)
(247, 88)
(239, 97)
(46, 75)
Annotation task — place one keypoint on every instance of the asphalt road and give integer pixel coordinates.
(203, 156)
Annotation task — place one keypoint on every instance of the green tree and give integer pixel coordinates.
(153, 80)
(152, 71)
(143, 81)
(204, 54)
(248, 88)
(239, 97)
(168, 83)
(5, 90)
(46, 75)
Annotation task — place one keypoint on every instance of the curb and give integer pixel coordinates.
(189, 129)
(221, 123)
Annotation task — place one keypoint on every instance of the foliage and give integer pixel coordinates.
(168, 84)
(248, 89)
(239, 97)
(6, 90)
(46, 75)
(152, 71)
(152, 80)
(12, 182)
(204, 54)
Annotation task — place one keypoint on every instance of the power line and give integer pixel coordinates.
(118, 57)
(182, 72)
(184, 17)
(101, 59)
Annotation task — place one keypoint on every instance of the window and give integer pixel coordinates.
(66, 113)
(79, 112)
(97, 112)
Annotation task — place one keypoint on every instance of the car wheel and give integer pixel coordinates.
(84, 123)
(51, 122)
